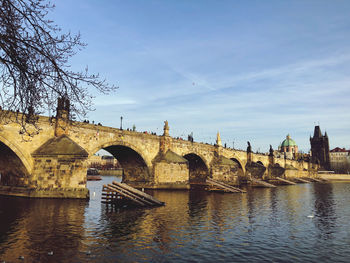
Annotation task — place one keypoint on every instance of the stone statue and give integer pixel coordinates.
(271, 151)
(166, 128)
(218, 139)
(249, 148)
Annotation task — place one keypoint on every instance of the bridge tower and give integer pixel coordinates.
(320, 149)
(62, 116)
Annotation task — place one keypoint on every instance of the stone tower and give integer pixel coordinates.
(62, 116)
(320, 149)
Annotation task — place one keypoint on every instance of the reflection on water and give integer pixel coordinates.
(34, 228)
(306, 222)
(324, 209)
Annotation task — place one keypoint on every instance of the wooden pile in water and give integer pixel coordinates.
(121, 194)
(214, 185)
(261, 183)
(285, 181)
(300, 180)
(315, 180)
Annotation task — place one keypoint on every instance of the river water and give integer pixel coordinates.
(301, 223)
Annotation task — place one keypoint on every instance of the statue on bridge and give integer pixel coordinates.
(249, 148)
(166, 128)
(218, 139)
(271, 151)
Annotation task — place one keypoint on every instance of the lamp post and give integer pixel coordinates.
(121, 122)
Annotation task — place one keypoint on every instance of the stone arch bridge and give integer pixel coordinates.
(50, 158)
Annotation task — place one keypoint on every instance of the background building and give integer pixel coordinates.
(104, 162)
(288, 148)
(340, 160)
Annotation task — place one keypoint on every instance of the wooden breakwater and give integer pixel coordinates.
(215, 185)
(121, 194)
(285, 181)
(260, 183)
(301, 180)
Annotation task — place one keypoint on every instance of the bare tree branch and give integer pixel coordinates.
(34, 62)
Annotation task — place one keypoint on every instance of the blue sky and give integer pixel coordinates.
(252, 70)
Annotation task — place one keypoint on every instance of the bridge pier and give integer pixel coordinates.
(170, 170)
(59, 169)
(59, 172)
(224, 170)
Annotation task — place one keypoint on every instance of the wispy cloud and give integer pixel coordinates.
(296, 96)
(110, 100)
(250, 74)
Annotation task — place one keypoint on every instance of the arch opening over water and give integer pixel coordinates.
(134, 166)
(240, 170)
(12, 170)
(197, 168)
(255, 169)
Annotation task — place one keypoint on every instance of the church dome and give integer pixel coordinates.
(288, 142)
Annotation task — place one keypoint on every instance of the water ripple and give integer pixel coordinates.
(301, 223)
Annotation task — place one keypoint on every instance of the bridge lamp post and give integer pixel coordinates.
(121, 122)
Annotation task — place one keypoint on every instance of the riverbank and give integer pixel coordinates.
(114, 172)
(335, 177)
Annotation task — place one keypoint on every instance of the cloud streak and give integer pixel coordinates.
(295, 98)
(252, 71)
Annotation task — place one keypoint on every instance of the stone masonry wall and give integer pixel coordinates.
(225, 173)
(291, 173)
(170, 173)
(58, 172)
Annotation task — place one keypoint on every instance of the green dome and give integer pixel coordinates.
(288, 142)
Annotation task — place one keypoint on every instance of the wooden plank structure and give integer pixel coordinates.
(285, 181)
(300, 180)
(315, 180)
(215, 185)
(260, 183)
(122, 194)
(322, 179)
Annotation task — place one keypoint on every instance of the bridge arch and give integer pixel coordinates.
(121, 143)
(14, 148)
(135, 166)
(13, 169)
(279, 161)
(198, 169)
(240, 164)
(201, 156)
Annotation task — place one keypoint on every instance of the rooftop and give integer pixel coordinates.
(337, 149)
(288, 142)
